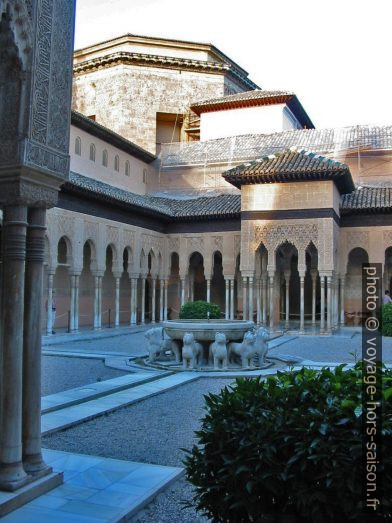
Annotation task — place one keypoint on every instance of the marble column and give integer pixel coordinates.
(258, 301)
(208, 289)
(287, 275)
(49, 312)
(250, 314)
(182, 290)
(166, 303)
(271, 301)
(244, 298)
(342, 284)
(97, 302)
(302, 303)
(161, 299)
(329, 303)
(265, 299)
(154, 299)
(134, 289)
(322, 303)
(33, 462)
(12, 473)
(117, 303)
(227, 298)
(143, 304)
(76, 306)
(232, 299)
(314, 282)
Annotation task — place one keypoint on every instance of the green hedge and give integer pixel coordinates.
(287, 449)
(198, 310)
(385, 318)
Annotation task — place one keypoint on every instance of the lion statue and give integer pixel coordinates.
(245, 350)
(159, 344)
(218, 351)
(261, 347)
(191, 351)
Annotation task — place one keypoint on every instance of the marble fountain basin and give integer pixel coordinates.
(205, 330)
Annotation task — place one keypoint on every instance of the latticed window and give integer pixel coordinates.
(116, 163)
(78, 146)
(127, 168)
(105, 158)
(92, 152)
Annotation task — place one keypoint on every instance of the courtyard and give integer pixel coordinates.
(150, 429)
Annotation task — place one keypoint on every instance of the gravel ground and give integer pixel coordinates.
(151, 431)
(334, 348)
(60, 374)
(131, 344)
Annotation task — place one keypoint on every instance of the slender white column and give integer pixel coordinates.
(227, 299)
(49, 320)
(72, 304)
(287, 285)
(76, 306)
(244, 298)
(329, 303)
(133, 319)
(100, 302)
(258, 301)
(154, 298)
(166, 303)
(117, 304)
(96, 302)
(143, 305)
(250, 317)
(232, 299)
(182, 283)
(314, 281)
(322, 303)
(265, 294)
(161, 298)
(271, 302)
(302, 303)
(208, 289)
(12, 474)
(342, 283)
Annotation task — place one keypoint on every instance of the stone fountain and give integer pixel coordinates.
(207, 345)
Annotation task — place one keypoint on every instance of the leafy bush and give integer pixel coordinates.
(198, 310)
(385, 318)
(287, 449)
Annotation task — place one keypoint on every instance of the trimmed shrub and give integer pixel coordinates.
(198, 310)
(287, 449)
(385, 317)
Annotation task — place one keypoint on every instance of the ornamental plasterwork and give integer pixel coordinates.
(21, 26)
(217, 243)
(357, 239)
(66, 226)
(174, 244)
(195, 243)
(129, 238)
(237, 244)
(150, 242)
(113, 235)
(272, 236)
(387, 239)
(91, 231)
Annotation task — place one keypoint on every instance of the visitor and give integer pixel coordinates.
(387, 298)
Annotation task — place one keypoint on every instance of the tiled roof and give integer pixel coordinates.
(238, 149)
(290, 166)
(224, 205)
(367, 198)
(244, 99)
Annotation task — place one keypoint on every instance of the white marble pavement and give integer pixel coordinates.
(95, 490)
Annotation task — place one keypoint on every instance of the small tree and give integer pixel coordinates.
(385, 319)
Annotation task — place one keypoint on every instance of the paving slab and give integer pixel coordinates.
(97, 490)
